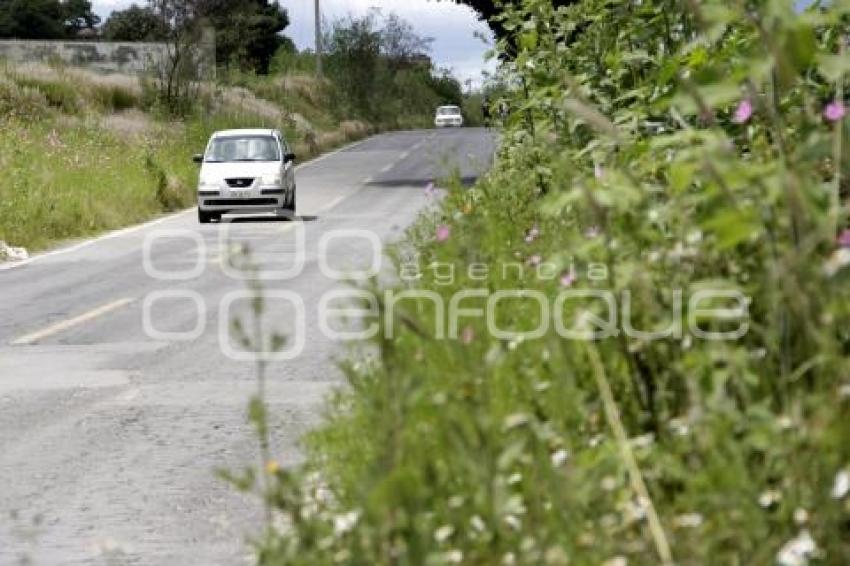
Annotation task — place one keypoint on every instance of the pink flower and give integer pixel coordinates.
(834, 111)
(468, 335)
(567, 279)
(844, 239)
(535, 260)
(430, 190)
(443, 233)
(598, 172)
(743, 112)
(592, 232)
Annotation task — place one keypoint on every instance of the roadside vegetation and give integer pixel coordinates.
(669, 147)
(87, 153)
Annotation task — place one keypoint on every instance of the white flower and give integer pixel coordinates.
(559, 458)
(841, 487)
(769, 498)
(801, 516)
(679, 426)
(616, 561)
(694, 237)
(478, 523)
(643, 441)
(515, 478)
(688, 521)
(513, 522)
(453, 557)
(345, 522)
(609, 483)
(443, 533)
(837, 261)
(797, 551)
(844, 391)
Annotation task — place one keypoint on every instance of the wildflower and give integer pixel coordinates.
(468, 335)
(513, 522)
(478, 523)
(559, 458)
(837, 261)
(272, 467)
(443, 533)
(801, 516)
(532, 235)
(744, 112)
(430, 190)
(454, 556)
(843, 239)
(834, 111)
(797, 551)
(535, 260)
(688, 521)
(443, 233)
(598, 172)
(616, 561)
(841, 487)
(345, 522)
(769, 498)
(568, 279)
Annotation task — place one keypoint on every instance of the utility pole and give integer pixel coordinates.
(318, 40)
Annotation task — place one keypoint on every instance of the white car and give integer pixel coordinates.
(246, 171)
(448, 117)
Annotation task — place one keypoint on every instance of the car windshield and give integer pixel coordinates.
(448, 111)
(243, 149)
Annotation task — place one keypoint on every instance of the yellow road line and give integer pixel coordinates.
(30, 339)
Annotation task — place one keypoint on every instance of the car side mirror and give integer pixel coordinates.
(289, 157)
(198, 158)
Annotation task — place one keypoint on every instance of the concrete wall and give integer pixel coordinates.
(106, 57)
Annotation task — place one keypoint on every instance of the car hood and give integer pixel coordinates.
(220, 171)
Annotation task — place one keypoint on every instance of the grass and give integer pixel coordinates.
(86, 153)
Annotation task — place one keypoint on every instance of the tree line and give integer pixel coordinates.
(248, 32)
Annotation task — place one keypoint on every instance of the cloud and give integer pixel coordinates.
(452, 26)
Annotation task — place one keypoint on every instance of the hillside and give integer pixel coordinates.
(86, 153)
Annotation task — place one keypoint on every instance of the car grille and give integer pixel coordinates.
(240, 202)
(239, 183)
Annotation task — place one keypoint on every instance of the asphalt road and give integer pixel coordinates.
(112, 422)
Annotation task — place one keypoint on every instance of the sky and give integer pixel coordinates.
(452, 27)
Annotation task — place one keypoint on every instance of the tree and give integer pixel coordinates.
(488, 10)
(135, 24)
(32, 19)
(400, 43)
(247, 31)
(78, 16)
(177, 76)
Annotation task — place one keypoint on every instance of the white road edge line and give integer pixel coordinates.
(87, 243)
(53, 329)
(130, 229)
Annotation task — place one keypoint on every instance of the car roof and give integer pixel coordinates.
(247, 132)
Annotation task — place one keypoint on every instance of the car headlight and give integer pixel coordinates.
(271, 179)
(207, 183)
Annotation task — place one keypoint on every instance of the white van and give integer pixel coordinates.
(246, 171)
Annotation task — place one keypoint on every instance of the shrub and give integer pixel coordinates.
(676, 147)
